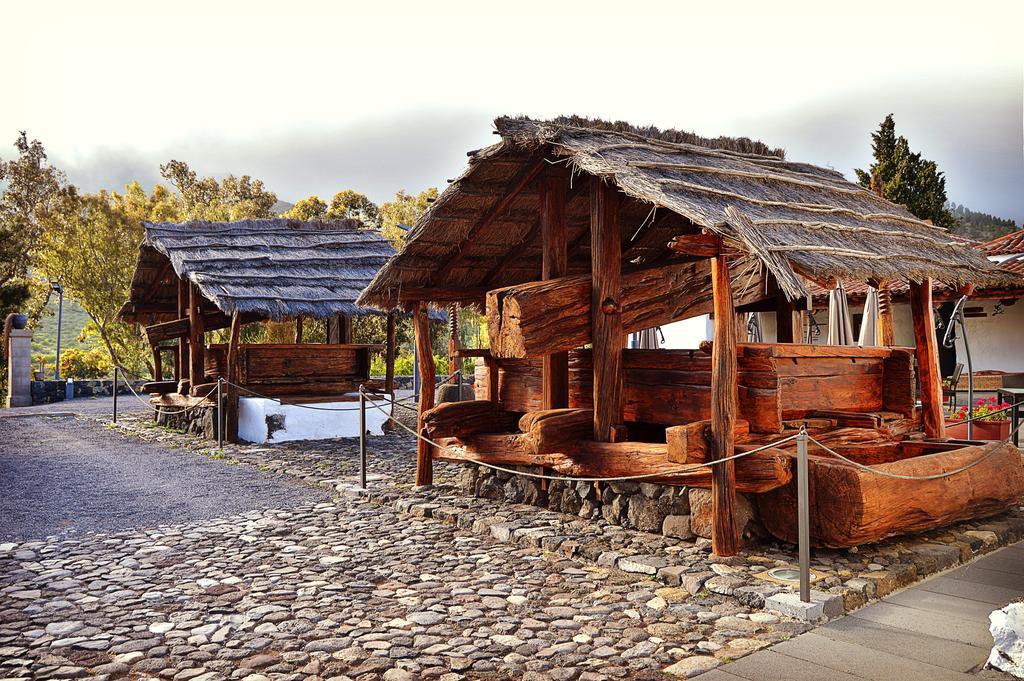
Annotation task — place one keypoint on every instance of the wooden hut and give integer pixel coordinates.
(571, 233)
(197, 277)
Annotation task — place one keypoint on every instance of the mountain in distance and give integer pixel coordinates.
(979, 226)
(282, 206)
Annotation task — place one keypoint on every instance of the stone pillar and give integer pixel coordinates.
(19, 369)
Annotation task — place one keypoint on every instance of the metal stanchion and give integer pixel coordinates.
(115, 394)
(362, 437)
(220, 416)
(803, 517)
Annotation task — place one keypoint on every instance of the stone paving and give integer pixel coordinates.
(493, 590)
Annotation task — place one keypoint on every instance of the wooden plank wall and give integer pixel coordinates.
(285, 369)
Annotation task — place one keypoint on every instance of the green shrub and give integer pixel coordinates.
(404, 365)
(85, 364)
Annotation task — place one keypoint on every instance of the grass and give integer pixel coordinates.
(44, 336)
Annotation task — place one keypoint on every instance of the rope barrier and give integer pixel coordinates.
(561, 478)
(158, 410)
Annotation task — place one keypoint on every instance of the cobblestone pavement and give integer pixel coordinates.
(348, 589)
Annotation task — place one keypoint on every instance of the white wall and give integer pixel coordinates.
(299, 423)
(688, 333)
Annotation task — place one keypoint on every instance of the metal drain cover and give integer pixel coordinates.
(786, 574)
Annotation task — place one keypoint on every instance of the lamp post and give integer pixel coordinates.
(56, 286)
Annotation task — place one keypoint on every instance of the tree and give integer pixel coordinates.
(904, 177)
(90, 247)
(33, 190)
(355, 206)
(233, 198)
(311, 208)
(404, 211)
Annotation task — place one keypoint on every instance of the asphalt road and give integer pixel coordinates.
(66, 475)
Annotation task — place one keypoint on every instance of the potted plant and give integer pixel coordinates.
(987, 425)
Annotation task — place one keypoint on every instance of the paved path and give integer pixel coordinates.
(82, 405)
(933, 631)
(62, 475)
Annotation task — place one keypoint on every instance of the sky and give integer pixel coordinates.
(315, 97)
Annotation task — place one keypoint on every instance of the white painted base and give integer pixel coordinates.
(266, 421)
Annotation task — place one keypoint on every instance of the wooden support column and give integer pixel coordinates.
(389, 354)
(183, 363)
(885, 326)
(606, 309)
(927, 358)
(786, 319)
(298, 330)
(725, 539)
(345, 329)
(231, 434)
(421, 324)
(176, 358)
(554, 239)
(158, 364)
(196, 341)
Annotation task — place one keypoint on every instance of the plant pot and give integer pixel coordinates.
(19, 321)
(983, 430)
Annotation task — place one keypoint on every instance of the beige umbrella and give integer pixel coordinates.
(840, 330)
(869, 321)
(648, 339)
(754, 334)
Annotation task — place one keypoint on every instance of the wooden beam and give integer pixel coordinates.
(233, 378)
(606, 307)
(554, 254)
(196, 340)
(389, 354)
(158, 364)
(725, 538)
(698, 245)
(412, 294)
(927, 358)
(183, 360)
(886, 337)
(298, 330)
(345, 329)
(537, 318)
(787, 327)
(512, 190)
(421, 324)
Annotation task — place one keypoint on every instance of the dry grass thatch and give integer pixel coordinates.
(800, 220)
(268, 269)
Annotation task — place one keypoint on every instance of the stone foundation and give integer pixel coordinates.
(47, 392)
(199, 421)
(680, 512)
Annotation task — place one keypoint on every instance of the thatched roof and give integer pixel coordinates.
(795, 218)
(265, 269)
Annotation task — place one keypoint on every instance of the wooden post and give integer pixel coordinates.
(927, 358)
(196, 341)
(885, 327)
(785, 319)
(158, 364)
(389, 354)
(345, 329)
(493, 393)
(298, 330)
(554, 239)
(233, 377)
(183, 362)
(606, 308)
(725, 538)
(176, 358)
(421, 324)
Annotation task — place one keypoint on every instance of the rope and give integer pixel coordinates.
(561, 478)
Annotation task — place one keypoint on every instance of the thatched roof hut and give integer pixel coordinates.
(797, 219)
(264, 269)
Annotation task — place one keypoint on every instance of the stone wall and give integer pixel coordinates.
(47, 392)
(200, 421)
(680, 512)
(104, 387)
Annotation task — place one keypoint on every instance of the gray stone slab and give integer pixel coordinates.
(959, 657)
(942, 603)
(858, 660)
(981, 575)
(939, 625)
(766, 665)
(718, 675)
(996, 596)
(1003, 561)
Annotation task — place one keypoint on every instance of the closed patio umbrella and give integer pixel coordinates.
(840, 330)
(869, 321)
(648, 339)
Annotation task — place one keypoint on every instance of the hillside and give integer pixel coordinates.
(980, 226)
(44, 336)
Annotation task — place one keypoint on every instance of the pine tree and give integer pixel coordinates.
(904, 177)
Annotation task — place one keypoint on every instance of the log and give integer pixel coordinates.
(159, 387)
(698, 245)
(298, 330)
(898, 382)
(421, 325)
(537, 318)
(787, 328)
(158, 364)
(606, 307)
(725, 536)
(555, 430)
(554, 253)
(390, 344)
(465, 419)
(927, 358)
(851, 507)
(757, 473)
(691, 443)
(183, 360)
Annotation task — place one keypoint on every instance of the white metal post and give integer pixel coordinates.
(115, 394)
(803, 517)
(362, 437)
(220, 416)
